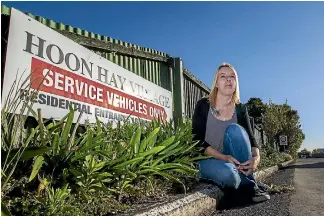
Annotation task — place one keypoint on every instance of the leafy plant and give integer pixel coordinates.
(54, 202)
(281, 188)
(56, 198)
(90, 176)
(15, 140)
(67, 149)
(150, 152)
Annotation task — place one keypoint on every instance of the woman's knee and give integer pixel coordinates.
(235, 129)
(236, 134)
(237, 142)
(231, 178)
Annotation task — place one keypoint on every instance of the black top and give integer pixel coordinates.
(199, 122)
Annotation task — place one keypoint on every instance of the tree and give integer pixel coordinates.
(256, 109)
(315, 151)
(305, 151)
(281, 119)
(271, 124)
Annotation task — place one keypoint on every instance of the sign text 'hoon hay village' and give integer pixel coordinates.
(91, 85)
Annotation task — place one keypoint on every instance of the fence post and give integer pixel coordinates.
(178, 99)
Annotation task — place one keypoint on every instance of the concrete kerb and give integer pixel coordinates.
(285, 164)
(265, 173)
(204, 200)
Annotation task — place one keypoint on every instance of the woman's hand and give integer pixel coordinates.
(248, 167)
(231, 159)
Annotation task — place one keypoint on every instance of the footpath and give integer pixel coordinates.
(299, 191)
(308, 198)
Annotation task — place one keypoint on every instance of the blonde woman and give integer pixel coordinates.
(221, 124)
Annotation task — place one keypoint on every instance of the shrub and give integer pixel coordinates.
(113, 162)
(286, 157)
(271, 157)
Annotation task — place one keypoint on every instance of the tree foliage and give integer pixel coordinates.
(316, 151)
(305, 151)
(256, 109)
(276, 120)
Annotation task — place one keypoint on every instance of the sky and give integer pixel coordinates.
(277, 48)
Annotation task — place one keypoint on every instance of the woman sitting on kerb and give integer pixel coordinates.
(222, 126)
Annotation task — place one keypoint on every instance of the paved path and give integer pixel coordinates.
(309, 183)
(307, 176)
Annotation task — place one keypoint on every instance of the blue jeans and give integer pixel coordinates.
(223, 173)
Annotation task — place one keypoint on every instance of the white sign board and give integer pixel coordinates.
(70, 74)
(283, 140)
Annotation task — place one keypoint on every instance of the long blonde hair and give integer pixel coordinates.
(213, 94)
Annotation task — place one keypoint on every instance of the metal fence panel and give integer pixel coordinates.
(192, 93)
(155, 71)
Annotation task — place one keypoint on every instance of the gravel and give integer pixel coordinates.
(278, 205)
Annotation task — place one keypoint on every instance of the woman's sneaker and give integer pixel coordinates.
(260, 196)
(263, 187)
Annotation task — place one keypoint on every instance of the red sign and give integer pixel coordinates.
(58, 81)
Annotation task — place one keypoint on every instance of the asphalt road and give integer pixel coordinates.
(307, 199)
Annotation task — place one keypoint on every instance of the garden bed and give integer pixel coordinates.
(53, 168)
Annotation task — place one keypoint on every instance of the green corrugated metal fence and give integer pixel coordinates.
(192, 93)
(154, 71)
